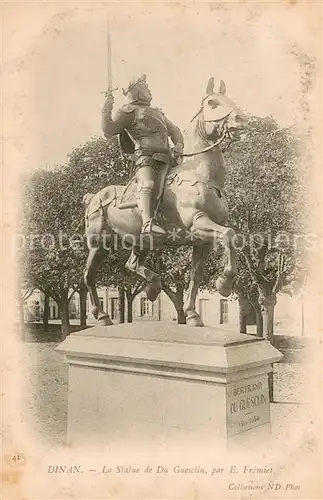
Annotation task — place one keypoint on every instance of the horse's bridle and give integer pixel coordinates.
(224, 133)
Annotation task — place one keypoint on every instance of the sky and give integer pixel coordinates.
(55, 65)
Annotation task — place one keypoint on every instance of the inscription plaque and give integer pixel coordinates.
(247, 404)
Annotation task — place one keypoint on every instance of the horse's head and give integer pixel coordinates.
(219, 116)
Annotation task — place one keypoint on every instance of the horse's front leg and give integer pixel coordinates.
(224, 283)
(200, 254)
(94, 260)
(135, 264)
(226, 235)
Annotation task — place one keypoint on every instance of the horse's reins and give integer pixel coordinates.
(214, 144)
(208, 148)
(224, 133)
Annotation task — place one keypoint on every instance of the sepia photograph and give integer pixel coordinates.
(161, 261)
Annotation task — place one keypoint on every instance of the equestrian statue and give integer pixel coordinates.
(143, 132)
(176, 196)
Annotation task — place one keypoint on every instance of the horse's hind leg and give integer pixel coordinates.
(204, 224)
(135, 264)
(94, 260)
(200, 254)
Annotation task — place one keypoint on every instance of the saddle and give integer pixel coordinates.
(108, 195)
(127, 199)
(96, 202)
(129, 194)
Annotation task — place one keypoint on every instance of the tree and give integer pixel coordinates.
(82, 291)
(52, 262)
(173, 265)
(247, 294)
(46, 312)
(246, 290)
(121, 302)
(266, 192)
(53, 220)
(23, 292)
(96, 164)
(131, 292)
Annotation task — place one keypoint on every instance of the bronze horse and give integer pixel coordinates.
(194, 210)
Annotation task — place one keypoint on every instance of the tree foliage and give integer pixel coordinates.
(55, 251)
(94, 165)
(52, 261)
(266, 193)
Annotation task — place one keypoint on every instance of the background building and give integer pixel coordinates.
(292, 313)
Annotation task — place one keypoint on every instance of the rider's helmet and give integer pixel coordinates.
(138, 90)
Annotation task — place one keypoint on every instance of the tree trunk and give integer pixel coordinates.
(242, 315)
(179, 305)
(267, 303)
(181, 318)
(65, 315)
(178, 300)
(121, 303)
(268, 323)
(129, 307)
(131, 294)
(267, 309)
(46, 312)
(83, 297)
(260, 323)
(243, 322)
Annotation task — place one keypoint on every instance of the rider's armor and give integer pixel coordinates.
(143, 132)
(149, 132)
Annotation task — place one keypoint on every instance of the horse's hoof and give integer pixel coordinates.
(194, 320)
(224, 285)
(95, 312)
(104, 320)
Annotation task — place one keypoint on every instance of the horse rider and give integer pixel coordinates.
(144, 131)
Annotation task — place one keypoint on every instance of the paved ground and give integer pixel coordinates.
(46, 391)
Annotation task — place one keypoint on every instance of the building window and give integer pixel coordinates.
(114, 303)
(203, 303)
(224, 315)
(146, 307)
(54, 314)
(36, 308)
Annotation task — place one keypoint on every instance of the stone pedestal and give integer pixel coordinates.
(158, 383)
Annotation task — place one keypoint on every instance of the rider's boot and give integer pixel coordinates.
(149, 224)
